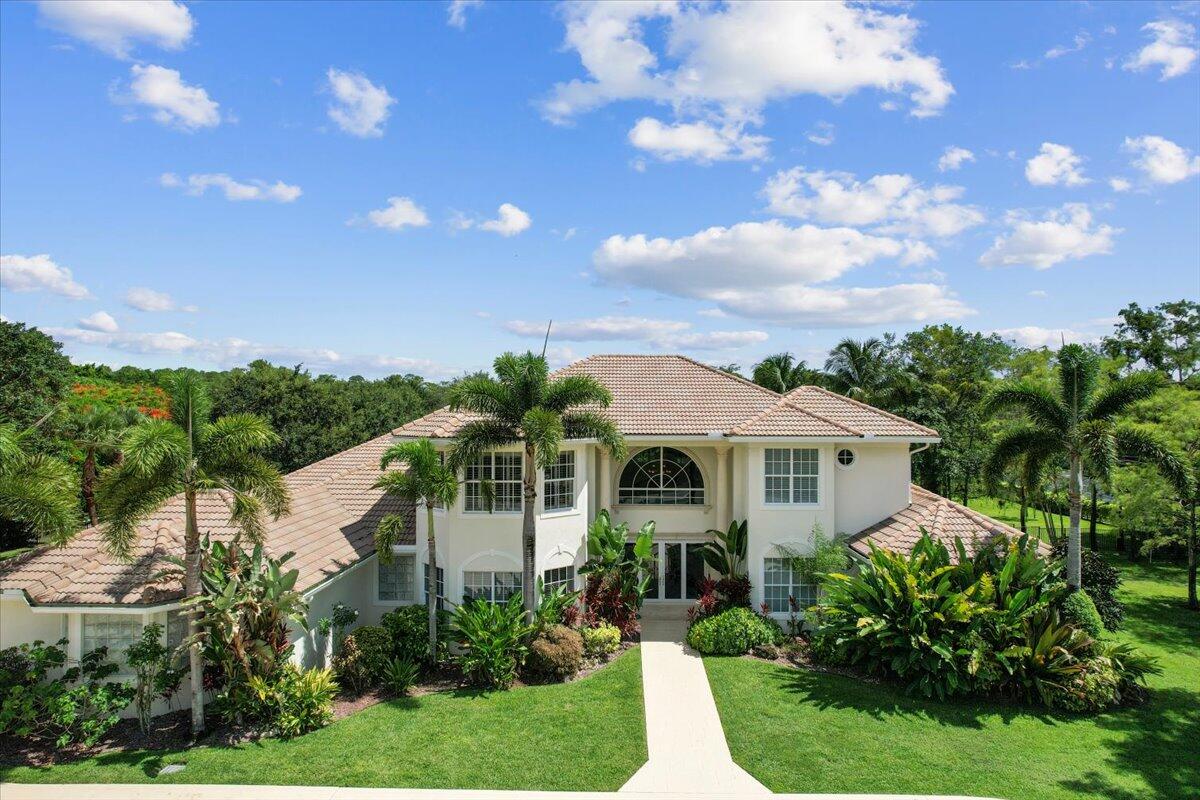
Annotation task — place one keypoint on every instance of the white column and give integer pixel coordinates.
(720, 496)
(603, 479)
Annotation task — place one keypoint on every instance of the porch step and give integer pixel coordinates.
(666, 609)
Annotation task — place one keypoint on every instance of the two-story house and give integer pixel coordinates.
(705, 448)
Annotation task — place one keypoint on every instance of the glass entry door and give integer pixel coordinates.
(679, 568)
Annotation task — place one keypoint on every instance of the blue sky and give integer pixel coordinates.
(195, 183)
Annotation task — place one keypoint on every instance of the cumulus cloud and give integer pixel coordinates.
(39, 273)
(456, 12)
(1119, 184)
(100, 321)
(821, 307)
(360, 108)
(1172, 47)
(1161, 160)
(1035, 337)
(400, 212)
(1055, 165)
(509, 221)
(144, 299)
(893, 203)
(697, 141)
(197, 184)
(1064, 234)
(173, 102)
(823, 134)
(659, 333)
(953, 158)
(114, 26)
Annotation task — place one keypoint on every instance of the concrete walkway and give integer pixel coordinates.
(688, 753)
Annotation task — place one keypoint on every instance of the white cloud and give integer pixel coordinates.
(715, 313)
(144, 299)
(232, 351)
(114, 26)
(815, 307)
(400, 212)
(1055, 165)
(1067, 233)
(1081, 41)
(1119, 184)
(895, 203)
(456, 12)
(100, 321)
(1161, 160)
(1173, 47)
(1039, 293)
(174, 103)
(360, 108)
(953, 158)
(197, 184)
(823, 134)
(1035, 337)
(39, 273)
(697, 141)
(509, 221)
(660, 333)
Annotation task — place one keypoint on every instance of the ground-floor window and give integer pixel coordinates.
(177, 628)
(114, 631)
(396, 579)
(495, 586)
(563, 577)
(781, 582)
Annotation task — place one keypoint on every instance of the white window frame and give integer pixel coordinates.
(116, 654)
(837, 458)
(489, 587)
(485, 470)
(787, 480)
(567, 583)
(558, 480)
(401, 598)
(793, 584)
(439, 586)
(626, 494)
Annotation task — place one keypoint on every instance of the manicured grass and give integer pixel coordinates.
(799, 731)
(585, 735)
(1008, 512)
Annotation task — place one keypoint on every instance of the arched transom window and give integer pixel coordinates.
(661, 476)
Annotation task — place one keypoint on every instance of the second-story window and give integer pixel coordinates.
(661, 476)
(558, 491)
(504, 472)
(791, 476)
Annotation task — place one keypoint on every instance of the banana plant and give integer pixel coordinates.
(726, 554)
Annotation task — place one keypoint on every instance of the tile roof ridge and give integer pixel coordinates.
(867, 406)
(724, 374)
(815, 415)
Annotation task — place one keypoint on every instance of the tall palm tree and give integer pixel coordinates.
(427, 481)
(782, 373)
(522, 405)
(858, 369)
(37, 491)
(191, 455)
(1077, 424)
(97, 432)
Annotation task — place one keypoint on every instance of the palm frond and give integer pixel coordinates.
(126, 499)
(544, 430)
(1043, 408)
(478, 437)
(1137, 444)
(235, 434)
(482, 395)
(38, 491)
(590, 425)
(252, 474)
(1122, 393)
(387, 534)
(419, 456)
(1013, 447)
(1100, 449)
(401, 484)
(1078, 374)
(191, 405)
(572, 391)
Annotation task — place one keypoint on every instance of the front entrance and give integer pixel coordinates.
(679, 570)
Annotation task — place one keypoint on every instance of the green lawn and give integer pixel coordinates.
(799, 731)
(586, 735)
(1009, 513)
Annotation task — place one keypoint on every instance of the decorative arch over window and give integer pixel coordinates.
(661, 476)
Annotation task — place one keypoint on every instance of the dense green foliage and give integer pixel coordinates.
(34, 377)
(408, 627)
(154, 671)
(616, 580)
(294, 701)
(601, 640)
(1101, 581)
(363, 656)
(493, 638)
(555, 652)
(733, 632)
(1079, 610)
(401, 675)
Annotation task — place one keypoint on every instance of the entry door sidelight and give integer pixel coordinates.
(694, 569)
(672, 571)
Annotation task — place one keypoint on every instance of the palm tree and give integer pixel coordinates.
(858, 369)
(37, 491)
(1076, 424)
(429, 482)
(97, 432)
(522, 405)
(782, 373)
(190, 455)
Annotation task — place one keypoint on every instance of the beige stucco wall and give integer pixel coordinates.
(876, 486)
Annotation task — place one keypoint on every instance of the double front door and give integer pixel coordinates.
(679, 568)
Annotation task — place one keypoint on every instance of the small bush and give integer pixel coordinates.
(1079, 610)
(1132, 666)
(601, 640)
(557, 606)
(732, 632)
(150, 661)
(401, 675)
(1101, 580)
(293, 702)
(363, 657)
(408, 627)
(492, 637)
(557, 652)
(1094, 687)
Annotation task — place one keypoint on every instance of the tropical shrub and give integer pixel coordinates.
(294, 701)
(342, 617)
(1078, 609)
(1100, 580)
(155, 676)
(556, 652)
(363, 657)
(401, 675)
(732, 632)
(1132, 666)
(725, 554)
(556, 606)
(492, 637)
(600, 640)
(616, 582)
(408, 627)
(78, 707)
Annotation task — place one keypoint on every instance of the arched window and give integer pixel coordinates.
(661, 476)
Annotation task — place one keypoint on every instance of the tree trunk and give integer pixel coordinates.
(529, 532)
(1074, 540)
(1092, 541)
(1024, 511)
(431, 583)
(966, 488)
(191, 588)
(1193, 602)
(89, 486)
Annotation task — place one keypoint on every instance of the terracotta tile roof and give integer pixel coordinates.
(331, 526)
(671, 395)
(943, 519)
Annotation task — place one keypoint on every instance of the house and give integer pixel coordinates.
(705, 448)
